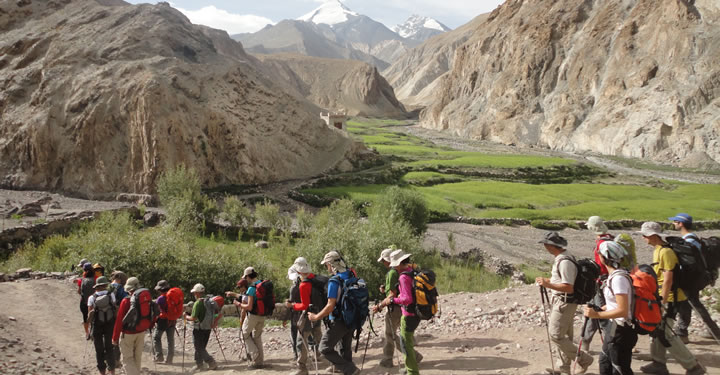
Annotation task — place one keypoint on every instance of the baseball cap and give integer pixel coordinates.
(682, 217)
(248, 271)
(385, 255)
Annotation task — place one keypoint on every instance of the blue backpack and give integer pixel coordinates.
(354, 303)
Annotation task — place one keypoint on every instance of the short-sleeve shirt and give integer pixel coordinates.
(391, 281)
(91, 299)
(252, 290)
(334, 289)
(198, 311)
(563, 271)
(664, 259)
(619, 283)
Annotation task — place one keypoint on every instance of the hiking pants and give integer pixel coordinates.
(695, 303)
(561, 334)
(616, 355)
(201, 337)
(408, 324)
(392, 340)
(302, 350)
(294, 337)
(252, 331)
(683, 312)
(104, 352)
(131, 346)
(338, 332)
(168, 328)
(677, 349)
(594, 324)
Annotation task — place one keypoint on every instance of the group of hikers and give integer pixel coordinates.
(622, 299)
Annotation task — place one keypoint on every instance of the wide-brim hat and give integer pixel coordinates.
(554, 239)
(301, 265)
(597, 225)
(101, 281)
(650, 228)
(162, 285)
(331, 257)
(198, 288)
(397, 257)
(132, 284)
(385, 255)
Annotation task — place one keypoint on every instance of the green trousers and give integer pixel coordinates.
(408, 324)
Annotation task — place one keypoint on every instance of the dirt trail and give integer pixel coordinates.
(493, 333)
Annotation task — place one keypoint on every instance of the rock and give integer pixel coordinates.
(143, 199)
(262, 244)
(55, 205)
(3, 277)
(23, 273)
(12, 319)
(151, 219)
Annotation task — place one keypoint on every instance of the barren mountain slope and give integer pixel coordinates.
(416, 74)
(637, 78)
(335, 84)
(98, 97)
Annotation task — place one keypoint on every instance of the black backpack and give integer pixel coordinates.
(318, 296)
(711, 253)
(691, 273)
(585, 286)
(87, 288)
(104, 309)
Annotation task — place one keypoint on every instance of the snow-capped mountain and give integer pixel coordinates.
(330, 13)
(420, 28)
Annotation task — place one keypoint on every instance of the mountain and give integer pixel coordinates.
(100, 97)
(420, 28)
(305, 38)
(416, 75)
(352, 86)
(330, 13)
(636, 79)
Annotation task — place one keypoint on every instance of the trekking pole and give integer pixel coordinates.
(184, 330)
(543, 296)
(242, 338)
(582, 336)
(220, 345)
(367, 342)
(152, 349)
(706, 325)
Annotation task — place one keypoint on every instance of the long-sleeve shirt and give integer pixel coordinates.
(142, 324)
(405, 298)
(305, 293)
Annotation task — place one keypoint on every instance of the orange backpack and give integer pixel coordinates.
(646, 304)
(175, 299)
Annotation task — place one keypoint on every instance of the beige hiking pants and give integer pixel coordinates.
(131, 347)
(252, 330)
(392, 340)
(316, 333)
(561, 333)
(677, 349)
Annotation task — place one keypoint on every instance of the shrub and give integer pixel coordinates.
(237, 213)
(268, 214)
(547, 225)
(403, 204)
(175, 183)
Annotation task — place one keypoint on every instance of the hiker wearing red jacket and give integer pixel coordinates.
(597, 225)
(130, 340)
(306, 328)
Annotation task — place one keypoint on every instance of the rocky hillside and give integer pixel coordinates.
(332, 84)
(415, 75)
(99, 97)
(637, 78)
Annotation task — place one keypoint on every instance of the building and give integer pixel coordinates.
(335, 119)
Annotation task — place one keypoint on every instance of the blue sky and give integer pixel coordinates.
(237, 16)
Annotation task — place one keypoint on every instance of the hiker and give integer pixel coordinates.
(99, 270)
(306, 329)
(254, 323)
(118, 278)
(201, 329)
(85, 290)
(102, 307)
(131, 337)
(400, 262)
(597, 225)
(337, 331)
(164, 325)
(393, 314)
(620, 336)
(664, 262)
(684, 223)
(293, 315)
(563, 309)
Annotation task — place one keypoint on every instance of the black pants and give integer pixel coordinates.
(200, 341)
(681, 312)
(616, 355)
(338, 332)
(104, 351)
(694, 300)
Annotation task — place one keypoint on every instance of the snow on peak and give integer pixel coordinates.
(416, 23)
(331, 12)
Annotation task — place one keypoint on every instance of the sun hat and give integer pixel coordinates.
(162, 285)
(248, 271)
(682, 217)
(198, 288)
(397, 257)
(82, 263)
(554, 239)
(242, 283)
(132, 284)
(101, 281)
(301, 265)
(120, 275)
(612, 250)
(98, 266)
(292, 274)
(597, 225)
(385, 255)
(87, 267)
(650, 228)
(331, 257)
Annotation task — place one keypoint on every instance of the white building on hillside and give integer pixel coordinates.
(335, 119)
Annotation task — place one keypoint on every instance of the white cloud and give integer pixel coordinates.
(224, 20)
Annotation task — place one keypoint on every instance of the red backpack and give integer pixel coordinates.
(220, 301)
(143, 312)
(175, 299)
(264, 301)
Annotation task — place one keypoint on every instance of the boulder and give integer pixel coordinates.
(23, 273)
(151, 219)
(262, 244)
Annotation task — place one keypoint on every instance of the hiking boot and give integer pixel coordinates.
(197, 368)
(584, 365)
(387, 363)
(685, 340)
(697, 370)
(356, 372)
(158, 359)
(655, 368)
(330, 369)
(168, 361)
(557, 371)
(213, 365)
(253, 366)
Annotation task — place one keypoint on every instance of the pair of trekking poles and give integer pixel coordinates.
(183, 346)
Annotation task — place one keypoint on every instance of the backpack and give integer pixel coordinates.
(318, 295)
(211, 308)
(424, 293)
(264, 301)
(104, 309)
(711, 253)
(175, 299)
(585, 286)
(691, 273)
(646, 313)
(353, 306)
(143, 311)
(87, 288)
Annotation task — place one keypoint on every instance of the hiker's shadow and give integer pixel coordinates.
(470, 343)
(473, 364)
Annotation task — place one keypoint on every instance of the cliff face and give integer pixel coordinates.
(99, 97)
(634, 78)
(334, 84)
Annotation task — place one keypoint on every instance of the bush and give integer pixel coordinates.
(268, 214)
(237, 213)
(175, 183)
(403, 204)
(547, 225)
(180, 192)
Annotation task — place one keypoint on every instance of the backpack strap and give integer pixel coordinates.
(567, 296)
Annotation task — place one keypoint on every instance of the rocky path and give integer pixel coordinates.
(493, 333)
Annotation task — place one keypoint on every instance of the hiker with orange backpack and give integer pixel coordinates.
(171, 305)
(136, 315)
(620, 336)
